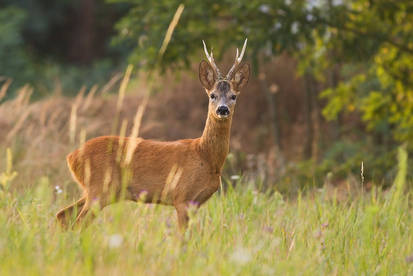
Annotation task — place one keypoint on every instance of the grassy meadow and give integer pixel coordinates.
(241, 231)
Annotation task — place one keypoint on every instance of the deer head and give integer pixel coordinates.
(223, 91)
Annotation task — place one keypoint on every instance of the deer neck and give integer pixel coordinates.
(214, 142)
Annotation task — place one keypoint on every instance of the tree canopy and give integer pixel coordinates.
(370, 41)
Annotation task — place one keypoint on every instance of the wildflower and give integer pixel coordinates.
(241, 256)
(235, 177)
(115, 241)
(58, 190)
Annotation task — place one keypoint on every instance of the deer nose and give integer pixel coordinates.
(223, 110)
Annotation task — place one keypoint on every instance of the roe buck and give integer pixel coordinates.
(177, 173)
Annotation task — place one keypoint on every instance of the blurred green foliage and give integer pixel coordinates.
(271, 26)
(61, 43)
(381, 87)
(13, 56)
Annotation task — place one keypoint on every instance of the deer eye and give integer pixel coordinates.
(213, 96)
(233, 97)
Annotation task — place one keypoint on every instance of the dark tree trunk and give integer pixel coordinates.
(272, 108)
(82, 48)
(274, 124)
(312, 118)
(308, 116)
(316, 118)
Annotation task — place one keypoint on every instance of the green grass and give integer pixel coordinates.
(241, 232)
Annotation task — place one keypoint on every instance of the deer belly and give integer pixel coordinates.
(201, 191)
(153, 189)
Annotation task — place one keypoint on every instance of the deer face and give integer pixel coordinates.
(223, 91)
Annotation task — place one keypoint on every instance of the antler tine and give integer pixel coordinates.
(243, 51)
(238, 59)
(211, 60)
(206, 51)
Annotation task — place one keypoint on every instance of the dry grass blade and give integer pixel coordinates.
(171, 29)
(23, 97)
(122, 139)
(18, 125)
(82, 136)
(133, 141)
(171, 181)
(89, 97)
(72, 125)
(123, 87)
(79, 97)
(4, 88)
(111, 83)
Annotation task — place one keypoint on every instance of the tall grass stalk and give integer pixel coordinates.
(4, 88)
(399, 184)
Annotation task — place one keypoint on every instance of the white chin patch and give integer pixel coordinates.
(223, 116)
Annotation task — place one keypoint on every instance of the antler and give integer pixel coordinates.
(211, 61)
(237, 61)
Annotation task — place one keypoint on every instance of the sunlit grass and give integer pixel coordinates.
(240, 231)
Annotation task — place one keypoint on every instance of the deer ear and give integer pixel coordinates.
(241, 76)
(207, 75)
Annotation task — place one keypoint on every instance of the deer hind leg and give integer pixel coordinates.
(92, 205)
(70, 212)
(86, 215)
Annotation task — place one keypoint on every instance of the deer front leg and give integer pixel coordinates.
(196, 201)
(183, 218)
